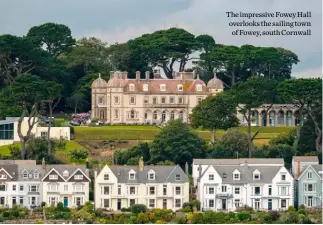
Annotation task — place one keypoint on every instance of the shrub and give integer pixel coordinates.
(196, 204)
(6, 214)
(39, 221)
(142, 218)
(60, 206)
(185, 204)
(43, 204)
(1, 219)
(291, 209)
(243, 216)
(181, 220)
(160, 221)
(111, 222)
(79, 154)
(187, 209)
(138, 208)
(302, 211)
(197, 218)
(103, 221)
(302, 206)
(274, 215)
(125, 210)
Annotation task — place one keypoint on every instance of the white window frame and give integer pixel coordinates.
(178, 190)
(132, 176)
(53, 177)
(151, 176)
(132, 100)
(131, 87)
(211, 200)
(179, 87)
(162, 87)
(211, 176)
(145, 87)
(78, 177)
(256, 174)
(211, 192)
(106, 176)
(237, 189)
(309, 175)
(236, 178)
(66, 173)
(198, 87)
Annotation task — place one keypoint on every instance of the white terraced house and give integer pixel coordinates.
(228, 187)
(24, 183)
(117, 187)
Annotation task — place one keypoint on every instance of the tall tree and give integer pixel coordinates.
(52, 98)
(177, 143)
(306, 95)
(18, 56)
(55, 38)
(251, 94)
(27, 92)
(165, 47)
(215, 112)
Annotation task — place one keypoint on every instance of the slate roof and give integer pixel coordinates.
(318, 169)
(239, 161)
(163, 174)
(267, 173)
(18, 166)
(306, 158)
(11, 169)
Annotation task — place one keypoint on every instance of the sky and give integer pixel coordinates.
(120, 20)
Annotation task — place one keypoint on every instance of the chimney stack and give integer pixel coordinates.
(200, 171)
(112, 74)
(43, 164)
(157, 74)
(298, 168)
(186, 168)
(87, 163)
(147, 75)
(141, 163)
(246, 164)
(138, 76)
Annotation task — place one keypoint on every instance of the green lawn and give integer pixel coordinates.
(70, 145)
(148, 132)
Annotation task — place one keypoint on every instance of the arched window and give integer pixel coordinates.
(280, 118)
(181, 115)
(289, 117)
(155, 115)
(172, 115)
(255, 117)
(264, 118)
(272, 119)
(163, 116)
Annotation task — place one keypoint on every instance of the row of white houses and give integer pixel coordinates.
(220, 184)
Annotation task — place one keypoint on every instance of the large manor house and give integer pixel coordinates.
(123, 100)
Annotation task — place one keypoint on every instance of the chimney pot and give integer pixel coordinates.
(43, 164)
(141, 163)
(138, 75)
(147, 75)
(298, 168)
(186, 168)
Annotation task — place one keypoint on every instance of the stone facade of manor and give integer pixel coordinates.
(122, 100)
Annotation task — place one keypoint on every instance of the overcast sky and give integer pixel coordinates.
(121, 20)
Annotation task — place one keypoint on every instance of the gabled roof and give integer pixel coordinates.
(50, 171)
(316, 168)
(306, 159)
(11, 170)
(246, 174)
(162, 174)
(239, 161)
(78, 169)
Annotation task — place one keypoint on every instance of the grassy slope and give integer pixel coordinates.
(148, 132)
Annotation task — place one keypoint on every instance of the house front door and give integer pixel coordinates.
(65, 202)
(119, 204)
(224, 204)
(270, 204)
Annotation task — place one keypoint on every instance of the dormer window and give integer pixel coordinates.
(36, 174)
(131, 87)
(211, 176)
(53, 177)
(256, 175)
(78, 177)
(25, 174)
(180, 87)
(131, 176)
(224, 175)
(3, 176)
(106, 177)
(198, 87)
(163, 87)
(236, 176)
(145, 87)
(151, 176)
(65, 173)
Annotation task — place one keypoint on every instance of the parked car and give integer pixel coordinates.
(75, 123)
(99, 123)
